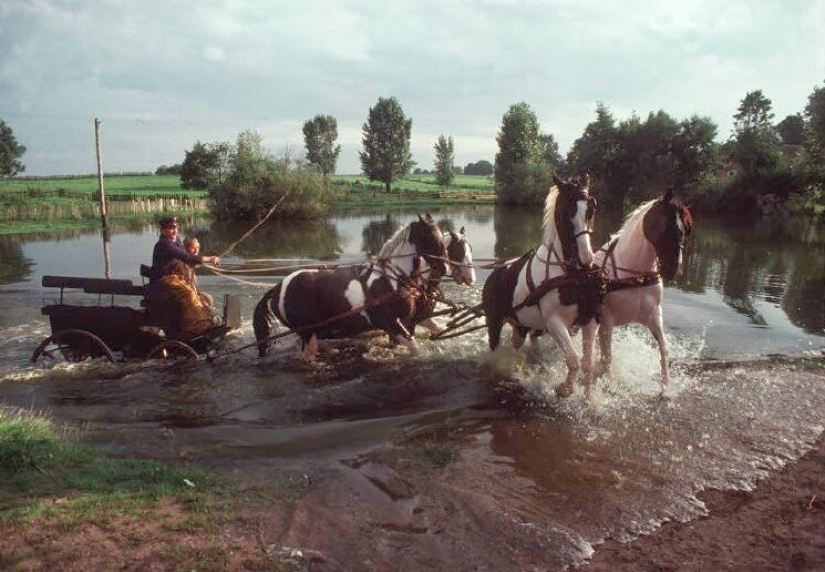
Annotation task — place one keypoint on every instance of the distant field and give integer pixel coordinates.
(132, 185)
(152, 185)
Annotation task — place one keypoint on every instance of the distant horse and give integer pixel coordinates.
(462, 271)
(647, 248)
(346, 301)
(552, 287)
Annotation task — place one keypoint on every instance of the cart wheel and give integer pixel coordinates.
(172, 349)
(73, 346)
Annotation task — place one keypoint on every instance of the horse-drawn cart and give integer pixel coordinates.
(82, 330)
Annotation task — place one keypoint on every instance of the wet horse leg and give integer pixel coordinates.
(605, 344)
(309, 347)
(588, 341)
(558, 330)
(656, 327)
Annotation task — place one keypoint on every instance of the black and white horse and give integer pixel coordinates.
(462, 271)
(648, 247)
(552, 287)
(346, 301)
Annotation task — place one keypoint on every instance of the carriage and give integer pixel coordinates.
(80, 330)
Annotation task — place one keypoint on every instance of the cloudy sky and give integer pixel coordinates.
(163, 74)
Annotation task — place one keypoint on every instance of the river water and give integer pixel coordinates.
(569, 472)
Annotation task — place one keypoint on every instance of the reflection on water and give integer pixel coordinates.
(772, 268)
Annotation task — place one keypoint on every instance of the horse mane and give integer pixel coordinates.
(549, 221)
(394, 241)
(633, 218)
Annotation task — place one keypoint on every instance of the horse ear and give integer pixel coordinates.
(586, 181)
(420, 218)
(461, 232)
(668, 196)
(556, 180)
(429, 218)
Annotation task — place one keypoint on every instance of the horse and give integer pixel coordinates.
(462, 271)
(648, 247)
(553, 287)
(346, 301)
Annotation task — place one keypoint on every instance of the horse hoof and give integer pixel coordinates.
(563, 390)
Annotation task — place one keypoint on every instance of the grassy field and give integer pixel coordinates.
(36, 204)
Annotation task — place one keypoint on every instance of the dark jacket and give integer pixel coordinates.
(164, 255)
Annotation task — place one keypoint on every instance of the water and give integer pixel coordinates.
(560, 474)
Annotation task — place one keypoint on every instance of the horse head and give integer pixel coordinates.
(427, 239)
(666, 226)
(460, 255)
(573, 214)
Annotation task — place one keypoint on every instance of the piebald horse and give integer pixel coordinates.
(552, 287)
(462, 271)
(346, 301)
(648, 247)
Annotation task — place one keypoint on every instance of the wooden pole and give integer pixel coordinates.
(100, 173)
(103, 218)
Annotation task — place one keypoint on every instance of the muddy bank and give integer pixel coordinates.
(369, 460)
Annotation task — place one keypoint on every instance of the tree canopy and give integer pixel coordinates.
(205, 165)
(755, 141)
(522, 173)
(10, 152)
(320, 134)
(386, 139)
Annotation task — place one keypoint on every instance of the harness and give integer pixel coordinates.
(615, 283)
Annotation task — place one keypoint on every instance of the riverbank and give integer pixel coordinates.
(780, 525)
(420, 501)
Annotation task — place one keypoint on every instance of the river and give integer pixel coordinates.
(564, 474)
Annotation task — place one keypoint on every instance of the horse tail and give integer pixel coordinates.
(263, 318)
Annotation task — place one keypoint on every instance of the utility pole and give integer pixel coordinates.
(103, 218)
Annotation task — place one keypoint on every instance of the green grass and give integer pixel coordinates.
(113, 186)
(40, 462)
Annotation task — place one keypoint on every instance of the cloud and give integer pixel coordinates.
(163, 74)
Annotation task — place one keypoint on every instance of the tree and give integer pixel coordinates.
(320, 134)
(205, 165)
(596, 151)
(519, 150)
(812, 158)
(791, 129)
(386, 138)
(479, 168)
(444, 159)
(550, 151)
(10, 152)
(756, 145)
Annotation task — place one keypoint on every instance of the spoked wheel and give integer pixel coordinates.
(73, 346)
(172, 350)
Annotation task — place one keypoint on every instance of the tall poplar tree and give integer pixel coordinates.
(386, 138)
(444, 161)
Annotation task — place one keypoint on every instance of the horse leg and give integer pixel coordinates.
(262, 319)
(519, 333)
(400, 334)
(605, 344)
(656, 328)
(588, 341)
(571, 357)
(310, 347)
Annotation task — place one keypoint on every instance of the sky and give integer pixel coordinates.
(164, 74)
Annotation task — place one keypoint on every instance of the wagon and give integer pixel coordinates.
(104, 329)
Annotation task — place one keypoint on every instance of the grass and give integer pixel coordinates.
(40, 462)
(30, 204)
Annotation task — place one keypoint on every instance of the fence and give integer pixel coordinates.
(91, 210)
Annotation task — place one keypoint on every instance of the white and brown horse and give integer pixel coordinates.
(648, 247)
(552, 288)
(347, 301)
(462, 271)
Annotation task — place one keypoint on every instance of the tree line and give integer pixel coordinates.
(629, 160)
